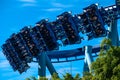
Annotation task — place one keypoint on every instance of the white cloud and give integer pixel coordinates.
(1, 53)
(3, 61)
(4, 64)
(52, 9)
(61, 5)
(28, 5)
(2, 56)
(28, 1)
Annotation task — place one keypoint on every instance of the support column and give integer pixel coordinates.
(88, 58)
(43, 62)
(50, 66)
(85, 67)
(113, 33)
(42, 65)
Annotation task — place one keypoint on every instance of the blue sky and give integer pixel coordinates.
(15, 14)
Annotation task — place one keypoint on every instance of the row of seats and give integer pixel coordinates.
(21, 48)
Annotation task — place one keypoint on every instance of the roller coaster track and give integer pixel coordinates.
(30, 43)
(67, 54)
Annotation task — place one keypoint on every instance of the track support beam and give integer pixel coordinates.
(88, 59)
(113, 33)
(43, 62)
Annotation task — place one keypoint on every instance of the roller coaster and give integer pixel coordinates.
(41, 43)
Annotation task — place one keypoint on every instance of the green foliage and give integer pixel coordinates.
(87, 76)
(27, 79)
(33, 78)
(42, 78)
(67, 76)
(70, 77)
(107, 65)
(55, 76)
(77, 77)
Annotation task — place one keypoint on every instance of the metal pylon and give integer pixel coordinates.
(43, 62)
(113, 33)
(88, 59)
